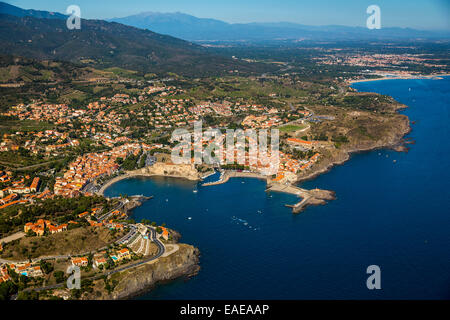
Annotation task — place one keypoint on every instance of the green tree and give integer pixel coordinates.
(59, 276)
(7, 289)
(28, 295)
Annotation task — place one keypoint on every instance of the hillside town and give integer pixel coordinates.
(106, 124)
(53, 173)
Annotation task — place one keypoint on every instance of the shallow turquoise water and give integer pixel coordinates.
(395, 215)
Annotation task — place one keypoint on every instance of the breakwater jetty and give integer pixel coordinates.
(227, 175)
(308, 197)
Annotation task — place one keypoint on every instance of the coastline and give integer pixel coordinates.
(130, 175)
(309, 197)
(343, 156)
(228, 174)
(395, 135)
(142, 280)
(134, 282)
(392, 143)
(348, 156)
(410, 77)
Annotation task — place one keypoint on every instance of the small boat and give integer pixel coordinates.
(189, 218)
(195, 191)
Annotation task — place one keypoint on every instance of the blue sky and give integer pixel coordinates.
(419, 14)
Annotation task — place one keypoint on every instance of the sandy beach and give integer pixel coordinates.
(134, 175)
(401, 78)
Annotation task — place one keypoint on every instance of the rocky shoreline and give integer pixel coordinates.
(136, 281)
(184, 262)
(395, 142)
(139, 280)
(135, 201)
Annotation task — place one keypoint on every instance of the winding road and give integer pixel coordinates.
(161, 251)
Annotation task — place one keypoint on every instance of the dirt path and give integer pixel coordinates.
(13, 237)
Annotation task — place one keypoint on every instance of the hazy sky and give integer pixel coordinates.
(419, 14)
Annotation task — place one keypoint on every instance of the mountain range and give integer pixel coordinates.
(128, 43)
(191, 28)
(6, 8)
(44, 36)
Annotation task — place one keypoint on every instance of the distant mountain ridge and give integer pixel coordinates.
(6, 8)
(175, 23)
(191, 28)
(107, 44)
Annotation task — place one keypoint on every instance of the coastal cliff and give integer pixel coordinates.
(182, 263)
(135, 202)
(394, 130)
(185, 171)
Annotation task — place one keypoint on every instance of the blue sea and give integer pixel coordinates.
(394, 214)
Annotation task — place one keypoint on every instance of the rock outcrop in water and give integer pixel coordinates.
(135, 201)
